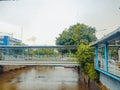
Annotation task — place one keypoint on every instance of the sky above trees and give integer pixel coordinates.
(39, 22)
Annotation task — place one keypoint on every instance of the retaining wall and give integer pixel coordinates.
(109, 82)
(7, 68)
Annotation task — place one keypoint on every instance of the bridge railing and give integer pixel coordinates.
(36, 52)
(42, 57)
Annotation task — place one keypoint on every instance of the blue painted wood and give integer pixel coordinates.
(109, 74)
(96, 52)
(106, 55)
(109, 82)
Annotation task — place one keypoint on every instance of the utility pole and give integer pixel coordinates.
(21, 32)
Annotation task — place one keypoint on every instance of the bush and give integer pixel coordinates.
(85, 58)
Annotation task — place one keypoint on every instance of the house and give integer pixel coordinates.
(107, 59)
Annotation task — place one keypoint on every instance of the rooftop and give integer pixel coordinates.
(109, 37)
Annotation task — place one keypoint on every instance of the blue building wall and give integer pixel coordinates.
(6, 40)
(109, 82)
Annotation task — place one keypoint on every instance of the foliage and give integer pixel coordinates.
(91, 72)
(19, 44)
(85, 58)
(76, 34)
(33, 52)
(85, 55)
(44, 52)
(82, 35)
(113, 52)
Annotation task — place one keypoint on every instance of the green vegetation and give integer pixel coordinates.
(113, 53)
(85, 58)
(76, 34)
(81, 35)
(44, 52)
(32, 52)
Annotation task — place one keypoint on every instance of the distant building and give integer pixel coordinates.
(8, 40)
(107, 60)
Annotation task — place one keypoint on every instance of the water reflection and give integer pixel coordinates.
(41, 78)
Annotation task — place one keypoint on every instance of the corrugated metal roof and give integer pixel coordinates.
(108, 37)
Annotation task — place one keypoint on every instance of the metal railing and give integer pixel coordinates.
(113, 66)
(37, 57)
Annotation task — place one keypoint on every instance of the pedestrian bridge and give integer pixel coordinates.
(42, 63)
(37, 55)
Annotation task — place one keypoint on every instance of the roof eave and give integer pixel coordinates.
(107, 37)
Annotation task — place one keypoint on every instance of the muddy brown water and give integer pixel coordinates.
(42, 78)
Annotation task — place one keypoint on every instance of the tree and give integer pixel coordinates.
(47, 51)
(76, 34)
(85, 58)
(81, 35)
(85, 55)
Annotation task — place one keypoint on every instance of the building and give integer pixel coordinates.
(8, 40)
(5, 54)
(107, 59)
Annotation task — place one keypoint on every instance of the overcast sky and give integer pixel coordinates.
(39, 22)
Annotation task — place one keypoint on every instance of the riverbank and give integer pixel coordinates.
(90, 83)
(7, 68)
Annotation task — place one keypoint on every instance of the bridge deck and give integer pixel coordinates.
(40, 62)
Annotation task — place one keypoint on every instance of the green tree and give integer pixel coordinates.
(85, 55)
(85, 58)
(82, 35)
(76, 34)
(44, 51)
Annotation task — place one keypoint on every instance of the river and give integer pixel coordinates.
(42, 78)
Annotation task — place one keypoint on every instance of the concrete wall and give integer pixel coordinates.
(11, 68)
(109, 82)
(1, 69)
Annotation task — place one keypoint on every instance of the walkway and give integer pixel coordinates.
(38, 55)
(40, 62)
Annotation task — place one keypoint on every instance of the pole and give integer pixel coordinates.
(21, 32)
